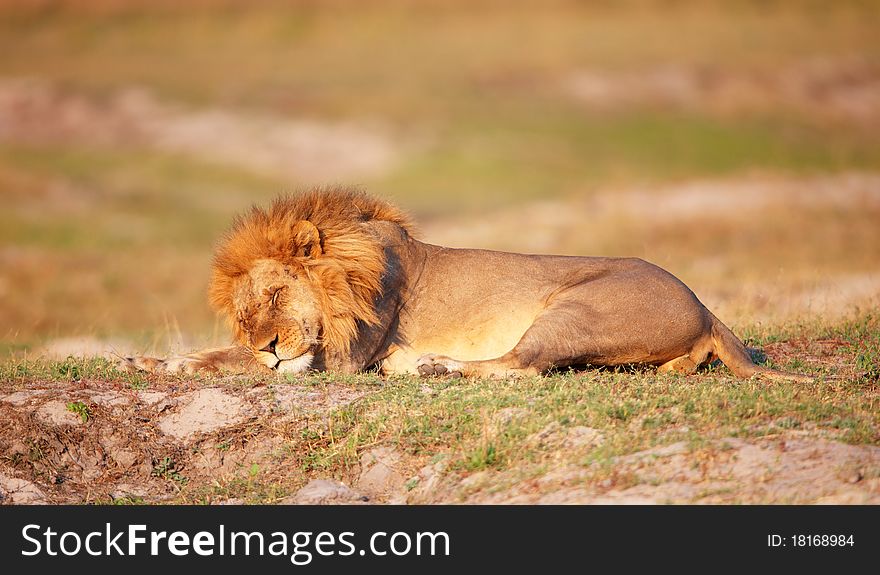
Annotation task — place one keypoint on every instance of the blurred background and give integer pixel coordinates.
(735, 143)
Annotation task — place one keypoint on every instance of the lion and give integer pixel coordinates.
(335, 280)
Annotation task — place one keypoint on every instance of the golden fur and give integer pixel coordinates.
(333, 279)
(348, 273)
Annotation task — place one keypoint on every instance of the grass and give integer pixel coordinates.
(246, 490)
(513, 429)
(864, 344)
(478, 425)
(79, 408)
(165, 468)
(19, 371)
(115, 196)
(470, 423)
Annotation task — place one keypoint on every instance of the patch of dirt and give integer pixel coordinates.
(302, 150)
(574, 438)
(786, 468)
(203, 411)
(19, 491)
(21, 398)
(148, 444)
(325, 492)
(292, 399)
(56, 413)
(380, 472)
(814, 352)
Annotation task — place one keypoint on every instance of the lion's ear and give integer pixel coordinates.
(306, 240)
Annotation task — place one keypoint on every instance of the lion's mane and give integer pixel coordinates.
(346, 275)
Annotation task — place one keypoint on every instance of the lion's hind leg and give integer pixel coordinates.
(688, 363)
(684, 365)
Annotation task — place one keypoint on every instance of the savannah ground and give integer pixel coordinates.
(734, 144)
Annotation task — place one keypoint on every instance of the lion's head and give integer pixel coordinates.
(297, 278)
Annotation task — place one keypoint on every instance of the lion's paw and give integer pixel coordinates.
(430, 364)
(186, 365)
(141, 363)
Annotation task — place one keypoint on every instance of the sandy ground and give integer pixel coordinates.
(145, 445)
(120, 448)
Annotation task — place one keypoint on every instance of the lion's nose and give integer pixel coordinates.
(271, 347)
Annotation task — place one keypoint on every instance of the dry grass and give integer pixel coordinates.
(572, 436)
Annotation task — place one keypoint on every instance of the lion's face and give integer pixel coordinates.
(277, 315)
(302, 278)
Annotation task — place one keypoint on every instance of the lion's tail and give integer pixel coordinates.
(731, 351)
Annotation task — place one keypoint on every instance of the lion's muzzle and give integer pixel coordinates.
(280, 357)
(296, 365)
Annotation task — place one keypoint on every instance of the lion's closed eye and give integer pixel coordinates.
(275, 293)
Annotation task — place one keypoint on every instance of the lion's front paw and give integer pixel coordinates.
(186, 365)
(430, 364)
(140, 363)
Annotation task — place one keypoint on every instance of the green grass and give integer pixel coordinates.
(634, 411)
(18, 371)
(864, 343)
(165, 468)
(81, 409)
(245, 489)
(511, 429)
(486, 424)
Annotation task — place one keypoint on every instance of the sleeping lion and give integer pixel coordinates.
(335, 280)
